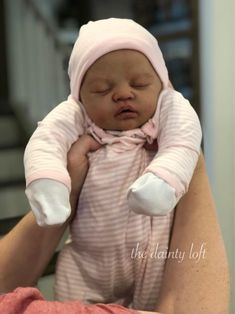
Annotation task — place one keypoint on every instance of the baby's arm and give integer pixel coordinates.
(48, 182)
(167, 177)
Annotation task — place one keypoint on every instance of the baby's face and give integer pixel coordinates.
(120, 90)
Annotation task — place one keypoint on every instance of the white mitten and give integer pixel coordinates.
(49, 200)
(149, 195)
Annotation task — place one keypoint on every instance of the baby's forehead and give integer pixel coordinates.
(123, 60)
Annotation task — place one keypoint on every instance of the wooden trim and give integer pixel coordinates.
(175, 35)
(13, 182)
(196, 57)
(17, 145)
(50, 29)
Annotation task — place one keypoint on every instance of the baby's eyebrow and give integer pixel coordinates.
(99, 79)
(143, 75)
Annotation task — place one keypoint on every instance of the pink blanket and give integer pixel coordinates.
(30, 301)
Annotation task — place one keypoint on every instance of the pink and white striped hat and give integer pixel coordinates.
(100, 37)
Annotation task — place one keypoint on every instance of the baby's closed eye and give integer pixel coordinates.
(99, 89)
(139, 84)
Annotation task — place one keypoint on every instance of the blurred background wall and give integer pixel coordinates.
(217, 80)
(197, 39)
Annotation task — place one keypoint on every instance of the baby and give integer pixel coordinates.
(120, 95)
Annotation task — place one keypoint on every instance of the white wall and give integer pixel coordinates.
(217, 48)
(37, 80)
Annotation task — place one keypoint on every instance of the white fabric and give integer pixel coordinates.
(150, 195)
(49, 200)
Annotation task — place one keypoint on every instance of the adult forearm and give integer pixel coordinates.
(25, 252)
(199, 282)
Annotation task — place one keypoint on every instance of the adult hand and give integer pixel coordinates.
(78, 165)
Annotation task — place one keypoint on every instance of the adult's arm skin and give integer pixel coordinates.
(27, 248)
(196, 287)
(187, 287)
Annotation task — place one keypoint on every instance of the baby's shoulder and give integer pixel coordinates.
(172, 100)
(66, 110)
(170, 94)
(67, 106)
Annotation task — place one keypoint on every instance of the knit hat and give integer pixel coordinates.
(100, 37)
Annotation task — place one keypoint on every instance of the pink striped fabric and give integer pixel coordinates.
(179, 139)
(115, 255)
(175, 125)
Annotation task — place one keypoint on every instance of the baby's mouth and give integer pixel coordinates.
(126, 111)
(126, 115)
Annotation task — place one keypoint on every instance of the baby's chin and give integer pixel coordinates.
(125, 127)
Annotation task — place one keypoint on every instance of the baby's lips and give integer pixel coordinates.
(125, 108)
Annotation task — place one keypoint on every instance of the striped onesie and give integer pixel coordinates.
(114, 252)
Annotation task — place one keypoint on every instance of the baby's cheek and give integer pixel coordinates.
(151, 108)
(101, 120)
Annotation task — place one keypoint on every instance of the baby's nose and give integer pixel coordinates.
(123, 92)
